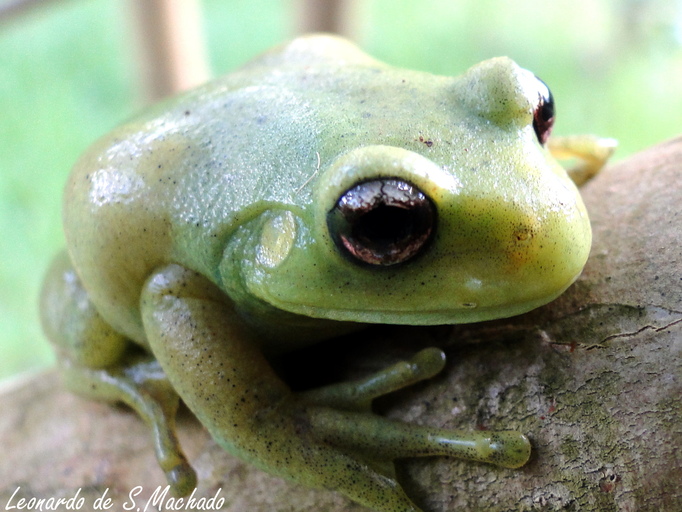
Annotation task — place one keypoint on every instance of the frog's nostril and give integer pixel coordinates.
(382, 222)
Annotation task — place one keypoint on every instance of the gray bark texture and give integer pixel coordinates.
(594, 379)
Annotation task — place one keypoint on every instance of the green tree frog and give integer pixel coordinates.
(310, 193)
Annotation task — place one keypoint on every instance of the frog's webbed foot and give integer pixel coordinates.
(588, 153)
(341, 417)
(142, 386)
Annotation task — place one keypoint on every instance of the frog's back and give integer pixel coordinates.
(174, 183)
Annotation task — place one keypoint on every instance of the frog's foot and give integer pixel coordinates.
(143, 387)
(341, 417)
(588, 152)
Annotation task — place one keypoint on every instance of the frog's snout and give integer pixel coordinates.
(383, 221)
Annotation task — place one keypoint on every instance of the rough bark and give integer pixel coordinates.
(594, 379)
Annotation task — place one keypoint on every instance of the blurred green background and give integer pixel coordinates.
(67, 76)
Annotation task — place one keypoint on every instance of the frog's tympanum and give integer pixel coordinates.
(309, 193)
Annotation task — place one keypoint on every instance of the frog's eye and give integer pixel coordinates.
(382, 222)
(543, 115)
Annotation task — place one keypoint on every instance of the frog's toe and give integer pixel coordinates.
(358, 395)
(509, 449)
(182, 479)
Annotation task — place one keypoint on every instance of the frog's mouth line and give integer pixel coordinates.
(466, 313)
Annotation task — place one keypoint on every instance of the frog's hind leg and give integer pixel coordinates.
(142, 386)
(99, 363)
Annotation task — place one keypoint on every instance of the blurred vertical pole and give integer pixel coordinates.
(324, 16)
(11, 9)
(171, 50)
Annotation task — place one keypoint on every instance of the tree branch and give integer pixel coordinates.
(593, 379)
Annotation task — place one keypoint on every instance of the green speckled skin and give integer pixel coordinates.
(198, 232)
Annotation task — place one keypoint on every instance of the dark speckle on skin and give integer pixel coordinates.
(425, 141)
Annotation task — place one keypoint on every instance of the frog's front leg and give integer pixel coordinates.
(323, 438)
(216, 366)
(349, 425)
(589, 154)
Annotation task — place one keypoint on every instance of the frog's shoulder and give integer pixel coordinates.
(314, 49)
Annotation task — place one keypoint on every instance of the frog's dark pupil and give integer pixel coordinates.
(543, 116)
(384, 225)
(382, 222)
